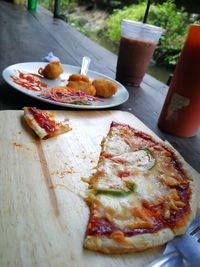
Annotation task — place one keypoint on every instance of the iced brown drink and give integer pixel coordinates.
(137, 45)
(133, 60)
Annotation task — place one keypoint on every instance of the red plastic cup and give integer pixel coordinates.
(180, 114)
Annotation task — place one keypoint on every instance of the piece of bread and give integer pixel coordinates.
(104, 88)
(52, 70)
(43, 123)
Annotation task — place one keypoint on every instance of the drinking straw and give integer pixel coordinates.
(147, 11)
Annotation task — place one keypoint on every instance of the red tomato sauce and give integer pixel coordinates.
(109, 156)
(99, 226)
(29, 81)
(102, 226)
(43, 120)
(124, 174)
(106, 155)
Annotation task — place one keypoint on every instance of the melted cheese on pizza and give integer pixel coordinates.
(139, 185)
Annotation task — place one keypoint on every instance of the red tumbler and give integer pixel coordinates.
(180, 114)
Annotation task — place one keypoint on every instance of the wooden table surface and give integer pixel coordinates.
(28, 37)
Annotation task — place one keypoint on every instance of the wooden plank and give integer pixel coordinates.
(77, 45)
(26, 37)
(43, 225)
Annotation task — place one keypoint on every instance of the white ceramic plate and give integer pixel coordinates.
(32, 67)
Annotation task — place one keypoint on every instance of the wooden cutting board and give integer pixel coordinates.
(42, 214)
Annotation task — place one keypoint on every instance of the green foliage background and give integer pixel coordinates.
(174, 21)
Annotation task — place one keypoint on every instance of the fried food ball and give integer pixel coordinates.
(83, 86)
(104, 88)
(78, 77)
(51, 70)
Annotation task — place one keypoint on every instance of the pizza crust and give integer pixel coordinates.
(145, 241)
(140, 242)
(131, 244)
(194, 180)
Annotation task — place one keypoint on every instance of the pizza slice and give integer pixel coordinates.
(43, 123)
(140, 196)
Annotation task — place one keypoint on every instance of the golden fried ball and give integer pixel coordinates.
(51, 70)
(78, 77)
(104, 88)
(82, 86)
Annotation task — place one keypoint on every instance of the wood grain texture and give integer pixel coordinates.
(28, 37)
(42, 214)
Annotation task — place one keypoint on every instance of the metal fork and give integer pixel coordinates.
(186, 249)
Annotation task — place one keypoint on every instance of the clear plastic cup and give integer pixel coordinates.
(137, 45)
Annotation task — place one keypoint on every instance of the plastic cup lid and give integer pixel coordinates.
(144, 26)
